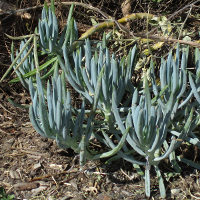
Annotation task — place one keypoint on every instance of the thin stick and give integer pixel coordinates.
(19, 37)
(109, 24)
(168, 39)
(182, 26)
(177, 12)
(182, 9)
(133, 16)
(12, 12)
(35, 54)
(24, 58)
(17, 57)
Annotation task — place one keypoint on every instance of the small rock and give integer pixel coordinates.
(56, 167)
(175, 192)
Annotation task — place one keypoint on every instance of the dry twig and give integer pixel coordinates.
(13, 12)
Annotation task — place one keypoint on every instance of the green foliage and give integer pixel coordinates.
(82, 75)
(4, 196)
(157, 1)
(142, 125)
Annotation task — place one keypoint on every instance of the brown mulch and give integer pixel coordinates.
(32, 167)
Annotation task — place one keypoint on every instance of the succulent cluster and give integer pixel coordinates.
(83, 70)
(147, 123)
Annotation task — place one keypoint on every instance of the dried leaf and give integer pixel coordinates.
(26, 186)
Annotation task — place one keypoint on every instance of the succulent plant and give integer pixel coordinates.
(51, 115)
(49, 33)
(194, 79)
(24, 66)
(144, 131)
(173, 80)
(48, 43)
(83, 70)
(148, 132)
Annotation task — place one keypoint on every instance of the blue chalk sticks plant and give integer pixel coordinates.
(149, 122)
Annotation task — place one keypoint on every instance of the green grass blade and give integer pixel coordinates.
(33, 72)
